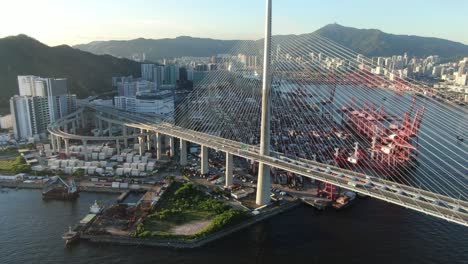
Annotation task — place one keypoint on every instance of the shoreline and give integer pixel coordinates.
(180, 244)
(39, 186)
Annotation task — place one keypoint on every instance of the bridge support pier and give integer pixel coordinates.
(148, 140)
(158, 146)
(204, 160)
(85, 149)
(229, 169)
(65, 127)
(141, 143)
(171, 147)
(67, 146)
(263, 185)
(52, 142)
(117, 146)
(124, 133)
(183, 152)
(59, 143)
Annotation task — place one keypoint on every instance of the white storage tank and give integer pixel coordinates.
(144, 159)
(134, 166)
(100, 171)
(136, 158)
(135, 173)
(115, 184)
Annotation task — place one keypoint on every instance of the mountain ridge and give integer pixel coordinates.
(370, 42)
(87, 73)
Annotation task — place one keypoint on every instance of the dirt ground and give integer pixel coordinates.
(191, 228)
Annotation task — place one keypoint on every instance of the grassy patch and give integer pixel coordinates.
(14, 166)
(186, 203)
(6, 166)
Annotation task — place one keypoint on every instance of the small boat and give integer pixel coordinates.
(460, 138)
(70, 236)
(95, 208)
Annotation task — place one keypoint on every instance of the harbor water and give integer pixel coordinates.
(370, 231)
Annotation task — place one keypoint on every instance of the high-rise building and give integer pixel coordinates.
(158, 75)
(170, 74)
(183, 76)
(41, 101)
(147, 71)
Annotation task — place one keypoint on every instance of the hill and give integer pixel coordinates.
(373, 42)
(370, 42)
(87, 73)
(155, 49)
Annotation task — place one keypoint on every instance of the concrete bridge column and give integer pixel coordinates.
(171, 146)
(85, 149)
(263, 184)
(65, 127)
(124, 133)
(204, 160)
(52, 142)
(117, 146)
(67, 146)
(158, 146)
(59, 143)
(148, 140)
(229, 169)
(183, 152)
(141, 143)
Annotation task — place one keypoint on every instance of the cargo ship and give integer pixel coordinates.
(58, 189)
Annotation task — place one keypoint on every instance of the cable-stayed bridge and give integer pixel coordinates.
(328, 114)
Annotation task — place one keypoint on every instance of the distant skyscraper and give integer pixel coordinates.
(183, 76)
(158, 75)
(147, 71)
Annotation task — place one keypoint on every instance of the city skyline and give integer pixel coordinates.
(239, 20)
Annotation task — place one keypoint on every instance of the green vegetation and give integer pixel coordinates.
(87, 74)
(79, 173)
(185, 203)
(18, 165)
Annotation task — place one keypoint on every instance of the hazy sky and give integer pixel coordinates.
(81, 21)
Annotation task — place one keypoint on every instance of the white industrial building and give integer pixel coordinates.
(161, 103)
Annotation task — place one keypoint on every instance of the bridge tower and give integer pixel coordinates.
(264, 184)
